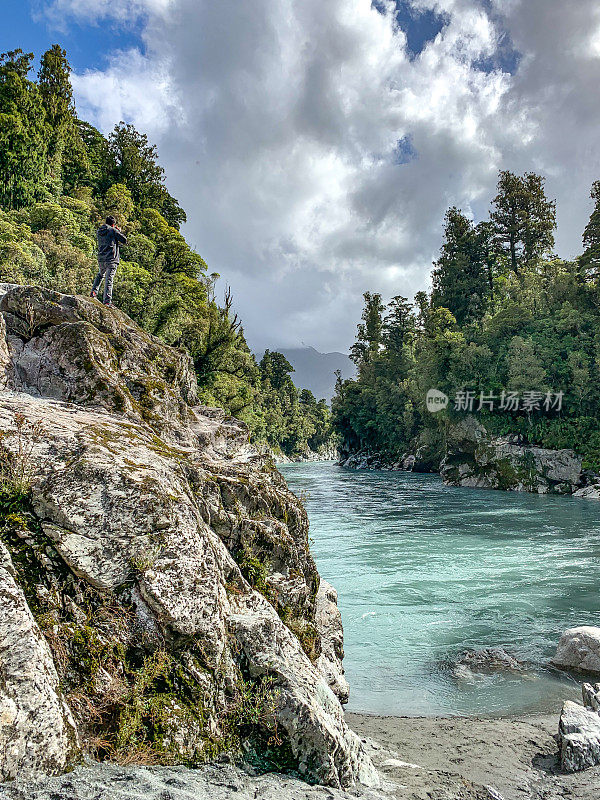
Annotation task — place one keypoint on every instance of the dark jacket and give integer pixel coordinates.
(109, 241)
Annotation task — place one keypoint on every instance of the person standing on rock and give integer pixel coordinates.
(110, 240)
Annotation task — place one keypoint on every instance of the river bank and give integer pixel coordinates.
(451, 758)
(309, 456)
(470, 456)
(511, 757)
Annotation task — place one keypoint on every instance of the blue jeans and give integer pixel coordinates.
(106, 270)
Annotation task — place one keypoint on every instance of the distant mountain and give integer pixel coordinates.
(315, 371)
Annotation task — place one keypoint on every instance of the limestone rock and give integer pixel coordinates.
(308, 710)
(591, 696)
(324, 453)
(6, 287)
(329, 624)
(488, 660)
(361, 460)
(591, 492)
(475, 459)
(37, 732)
(77, 350)
(5, 362)
(579, 737)
(162, 538)
(579, 649)
(424, 457)
(113, 503)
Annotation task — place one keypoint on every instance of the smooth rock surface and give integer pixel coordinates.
(579, 649)
(579, 737)
(329, 622)
(37, 731)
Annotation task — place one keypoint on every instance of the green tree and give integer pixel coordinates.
(95, 167)
(398, 337)
(370, 330)
(524, 219)
(23, 133)
(590, 260)
(136, 165)
(171, 246)
(276, 369)
(119, 203)
(525, 372)
(57, 93)
(460, 276)
(399, 324)
(69, 164)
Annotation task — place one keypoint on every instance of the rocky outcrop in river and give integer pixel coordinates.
(476, 459)
(579, 650)
(325, 453)
(159, 602)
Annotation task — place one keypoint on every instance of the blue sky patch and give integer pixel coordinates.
(508, 62)
(404, 152)
(507, 57)
(87, 46)
(420, 26)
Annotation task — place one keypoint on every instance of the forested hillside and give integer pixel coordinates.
(59, 178)
(507, 322)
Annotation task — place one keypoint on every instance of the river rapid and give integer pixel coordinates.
(425, 571)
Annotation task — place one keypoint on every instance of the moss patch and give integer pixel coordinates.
(134, 703)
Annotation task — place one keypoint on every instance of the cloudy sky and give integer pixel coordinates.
(315, 144)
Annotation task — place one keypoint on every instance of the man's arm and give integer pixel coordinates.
(120, 237)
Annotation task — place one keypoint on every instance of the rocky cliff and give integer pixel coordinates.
(159, 603)
(474, 458)
(468, 455)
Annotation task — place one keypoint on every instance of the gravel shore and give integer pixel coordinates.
(515, 758)
(457, 758)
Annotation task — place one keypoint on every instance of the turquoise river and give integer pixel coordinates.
(425, 571)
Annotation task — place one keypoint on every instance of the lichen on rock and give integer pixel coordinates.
(161, 558)
(37, 731)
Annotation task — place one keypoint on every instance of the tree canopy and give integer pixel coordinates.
(59, 178)
(504, 314)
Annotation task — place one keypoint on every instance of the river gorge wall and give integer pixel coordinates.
(470, 456)
(159, 602)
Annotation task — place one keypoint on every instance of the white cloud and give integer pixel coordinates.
(131, 88)
(122, 10)
(278, 121)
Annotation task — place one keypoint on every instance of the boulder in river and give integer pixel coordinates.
(591, 492)
(486, 661)
(579, 650)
